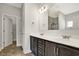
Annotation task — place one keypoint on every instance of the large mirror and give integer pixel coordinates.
(63, 16)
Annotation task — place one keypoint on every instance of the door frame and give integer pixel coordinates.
(17, 18)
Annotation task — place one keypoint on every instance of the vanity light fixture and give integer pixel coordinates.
(43, 9)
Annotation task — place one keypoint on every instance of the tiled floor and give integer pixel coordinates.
(12, 50)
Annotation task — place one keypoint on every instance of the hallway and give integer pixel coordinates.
(12, 50)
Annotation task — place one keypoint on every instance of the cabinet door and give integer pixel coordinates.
(50, 48)
(67, 51)
(33, 44)
(41, 47)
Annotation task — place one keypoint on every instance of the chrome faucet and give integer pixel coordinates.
(66, 36)
(42, 34)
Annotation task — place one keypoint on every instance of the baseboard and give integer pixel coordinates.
(27, 51)
(18, 45)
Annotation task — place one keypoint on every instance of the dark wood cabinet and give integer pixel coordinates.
(33, 45)
(67, 51)
(50, 49)
(41, 47)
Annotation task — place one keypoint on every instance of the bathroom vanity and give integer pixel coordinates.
(45, 46)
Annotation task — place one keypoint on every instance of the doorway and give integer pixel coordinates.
(9, 31)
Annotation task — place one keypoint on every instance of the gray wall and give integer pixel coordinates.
(73, 17)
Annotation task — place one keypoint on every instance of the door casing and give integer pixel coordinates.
(17, 35)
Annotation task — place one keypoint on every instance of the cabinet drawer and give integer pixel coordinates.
(67, 51)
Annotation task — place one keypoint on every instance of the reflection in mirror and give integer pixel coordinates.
(56, 20)
(53, 23)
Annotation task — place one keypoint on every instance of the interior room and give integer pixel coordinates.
(39, 29)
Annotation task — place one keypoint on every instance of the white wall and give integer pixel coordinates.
(43, 21)
(26, 28)
(33, 21)
(61, 20)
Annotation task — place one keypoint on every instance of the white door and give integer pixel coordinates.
(3, 41)
(7, 31)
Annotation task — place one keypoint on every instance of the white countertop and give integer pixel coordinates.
(58, 39)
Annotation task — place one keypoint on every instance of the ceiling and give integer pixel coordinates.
(47, 4)
(18, 5)
(65, 8)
